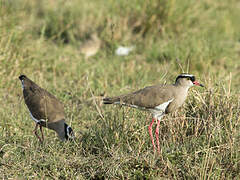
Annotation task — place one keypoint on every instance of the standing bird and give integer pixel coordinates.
(158, 99)
(45, 109)
(91, 46)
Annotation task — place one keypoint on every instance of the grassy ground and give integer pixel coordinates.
(41, 39)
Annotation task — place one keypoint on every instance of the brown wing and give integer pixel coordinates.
(43, 105)
(148, 97)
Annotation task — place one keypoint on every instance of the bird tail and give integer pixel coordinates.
(111, 100)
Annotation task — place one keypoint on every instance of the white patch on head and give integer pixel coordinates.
(70, 134)
(186, 75)
(181, 79)
(68, 131)
(22, 84)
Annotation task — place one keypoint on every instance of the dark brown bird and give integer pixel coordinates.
(158, 99)
(45, 109)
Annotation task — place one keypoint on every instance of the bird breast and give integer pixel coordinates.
(178, 101)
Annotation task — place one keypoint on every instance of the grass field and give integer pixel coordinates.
(41, 39)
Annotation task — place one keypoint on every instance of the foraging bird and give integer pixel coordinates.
(45, 109)
(158, 99)
(91, 46)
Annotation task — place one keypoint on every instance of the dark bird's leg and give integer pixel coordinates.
(35, 132)
(41, 132)
(150, 133)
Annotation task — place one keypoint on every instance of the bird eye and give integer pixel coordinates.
(188, 78)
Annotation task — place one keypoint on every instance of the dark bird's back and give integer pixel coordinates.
(41, 103)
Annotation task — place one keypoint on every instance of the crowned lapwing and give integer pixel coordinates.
(45, 109)
(91, 46)
(158, 99)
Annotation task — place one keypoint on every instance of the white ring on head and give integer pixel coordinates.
(186, 75)
(68, 130)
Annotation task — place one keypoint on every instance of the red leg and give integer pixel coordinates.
(41, 133)
(150, 133)
(157, 135)
(35, 132)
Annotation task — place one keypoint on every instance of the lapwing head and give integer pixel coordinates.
(22, 79)
(188, 80)
(69, 134)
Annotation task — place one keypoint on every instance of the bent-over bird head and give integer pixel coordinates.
(69, 134)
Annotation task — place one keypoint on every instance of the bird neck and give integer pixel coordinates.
(181, 92)
(59, 128)
(22, 82)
